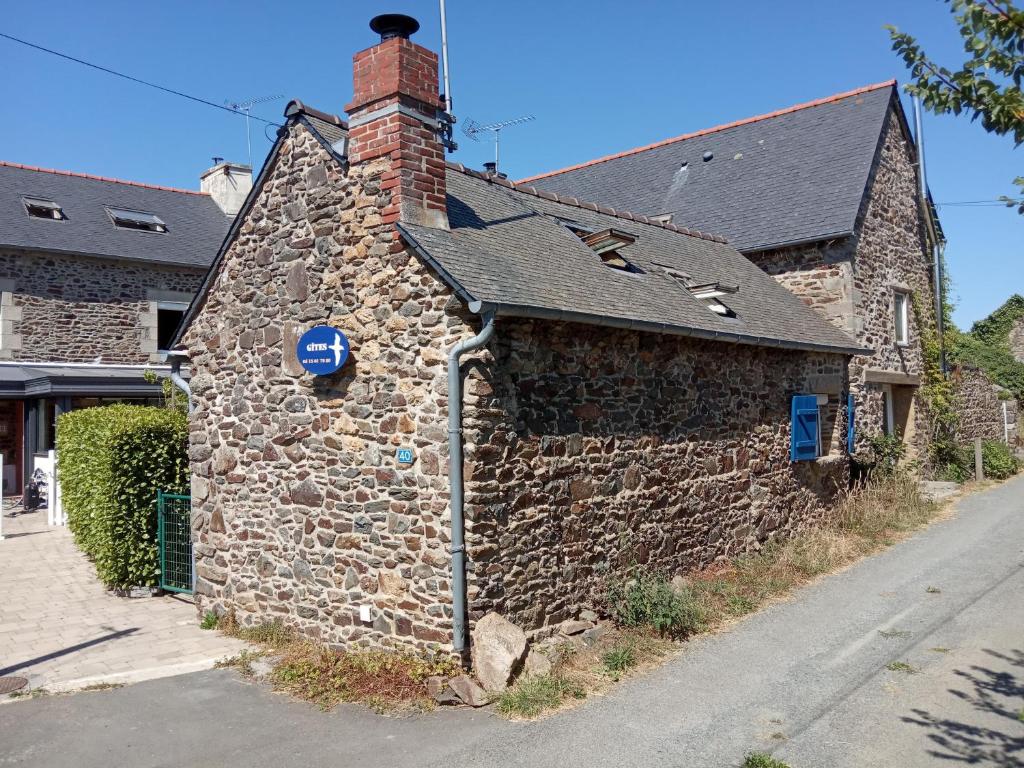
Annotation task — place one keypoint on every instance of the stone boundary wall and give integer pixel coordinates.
(591, 448)
(301, 512)
(980, 407)
(75, 309)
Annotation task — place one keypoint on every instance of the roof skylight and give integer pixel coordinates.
(138, 220)
(605, 243)
(40, 208)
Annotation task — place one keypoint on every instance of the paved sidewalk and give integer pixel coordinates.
(62, 630)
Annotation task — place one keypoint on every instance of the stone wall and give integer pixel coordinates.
(590, 448)
(980, 407)
(76, 309)
(819, 273)
(300, 510)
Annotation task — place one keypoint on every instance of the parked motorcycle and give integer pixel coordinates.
(35, 492)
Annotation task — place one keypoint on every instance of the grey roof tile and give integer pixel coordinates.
(794, 175)
(195, 224)
(512, 247)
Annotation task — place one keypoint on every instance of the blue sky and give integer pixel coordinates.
(599, 76)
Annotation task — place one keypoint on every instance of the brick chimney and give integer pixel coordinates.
(393, 113)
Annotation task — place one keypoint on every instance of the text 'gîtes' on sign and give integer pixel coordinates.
(322, 350)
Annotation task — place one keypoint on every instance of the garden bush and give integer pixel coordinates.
(113, 460)
(998, 460)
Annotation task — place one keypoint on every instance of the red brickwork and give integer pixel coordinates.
(399, 73)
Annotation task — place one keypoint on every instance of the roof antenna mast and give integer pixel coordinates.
(246, 107)
(447, 119)
(473, 129)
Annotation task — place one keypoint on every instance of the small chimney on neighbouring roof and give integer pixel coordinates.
(393, 113)
(228, 184)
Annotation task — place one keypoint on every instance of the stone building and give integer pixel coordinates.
(95, 274)
(824, 196)
(631, 391)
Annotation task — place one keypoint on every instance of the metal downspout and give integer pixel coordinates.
(175, 358)
(937, 248)
(458, 548)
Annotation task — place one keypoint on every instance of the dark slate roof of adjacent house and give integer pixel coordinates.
(794, 175)
(513, 247)
(195, 224)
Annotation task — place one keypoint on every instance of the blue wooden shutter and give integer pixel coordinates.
(850, 412)
(804, 439)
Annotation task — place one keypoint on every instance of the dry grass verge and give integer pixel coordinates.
(869, 518)
(385, 681)
(584, 670)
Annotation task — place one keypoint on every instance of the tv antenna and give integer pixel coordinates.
(246, 107)
(473, 129)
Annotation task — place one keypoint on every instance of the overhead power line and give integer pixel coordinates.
(981, 203)
(134, 79)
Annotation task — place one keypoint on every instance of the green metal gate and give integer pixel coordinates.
(174, 534)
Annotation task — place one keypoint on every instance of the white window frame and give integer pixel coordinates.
(901, 317)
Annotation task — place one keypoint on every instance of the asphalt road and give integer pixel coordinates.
(805, 679)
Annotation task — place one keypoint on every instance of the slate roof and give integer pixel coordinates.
(794, 175)
(512, 248)
(195, 224)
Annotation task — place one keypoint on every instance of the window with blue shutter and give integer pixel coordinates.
(850, 412)
(804, 437)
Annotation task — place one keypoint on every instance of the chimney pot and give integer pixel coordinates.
(389, 25)
(491, 167)
(228, 184)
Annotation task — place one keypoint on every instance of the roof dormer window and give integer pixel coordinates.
(40, 208)
(710, 295)
(137, 220)
(606, 244)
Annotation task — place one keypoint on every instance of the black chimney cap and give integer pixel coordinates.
(389, 25)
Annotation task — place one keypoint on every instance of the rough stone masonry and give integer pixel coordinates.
(586, 451)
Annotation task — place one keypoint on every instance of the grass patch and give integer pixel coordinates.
(762, 760)
(101, 687)
(901, 666)
(210, 621)
(531, 696)
(30, 693)
(939, 649)
(385, 681)
(242, 662)
(619, 659)
(1020, 715)
(933, 591)
(580, 670)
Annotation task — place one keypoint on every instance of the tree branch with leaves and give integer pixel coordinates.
(987, 86)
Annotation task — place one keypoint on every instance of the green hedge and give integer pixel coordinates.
(113, 460)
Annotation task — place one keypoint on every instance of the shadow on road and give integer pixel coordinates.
(993, 694)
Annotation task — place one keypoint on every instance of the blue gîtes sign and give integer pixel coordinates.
(322, 350)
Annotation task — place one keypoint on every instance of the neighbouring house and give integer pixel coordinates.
(95, 274)
(826, 197)
(635, 391)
